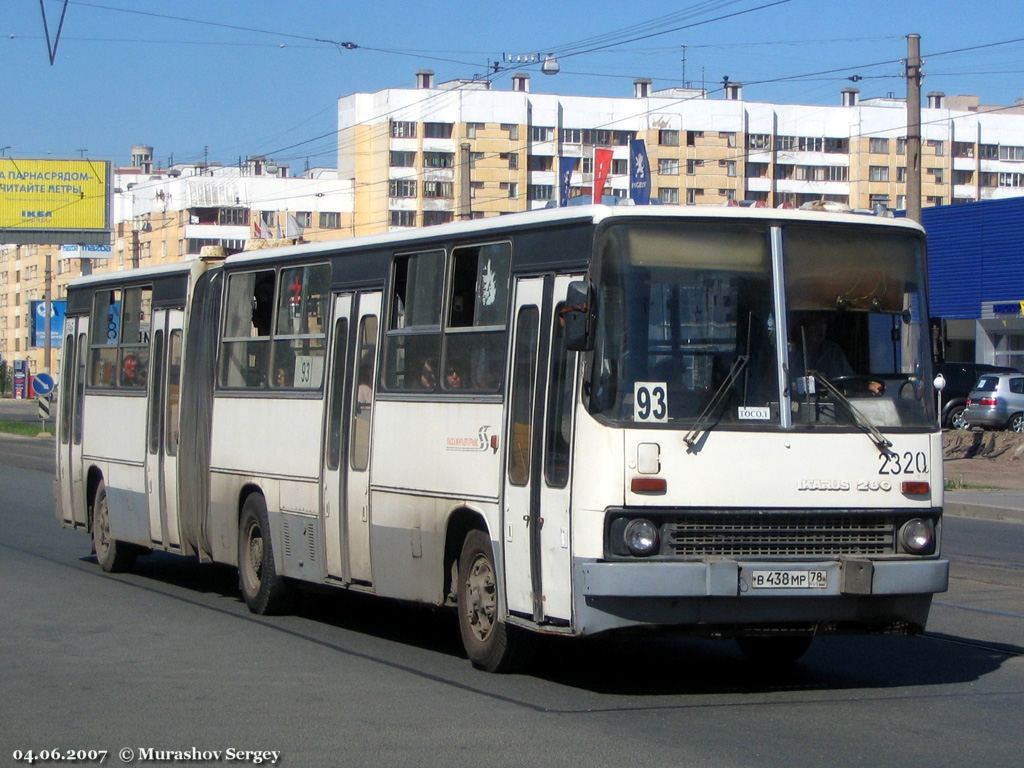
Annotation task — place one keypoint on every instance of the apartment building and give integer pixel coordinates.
(463, 149)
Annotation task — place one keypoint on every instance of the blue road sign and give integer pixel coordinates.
(42, 384)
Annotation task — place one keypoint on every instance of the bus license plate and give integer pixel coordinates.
(789, 580)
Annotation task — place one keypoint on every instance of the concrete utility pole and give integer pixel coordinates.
(914, 127)
(47, 308)
(465, 187)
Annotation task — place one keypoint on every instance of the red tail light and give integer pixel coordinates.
(990, 401)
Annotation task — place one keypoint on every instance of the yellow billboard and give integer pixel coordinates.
(54, 195)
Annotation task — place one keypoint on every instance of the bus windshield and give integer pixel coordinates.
(688, 331)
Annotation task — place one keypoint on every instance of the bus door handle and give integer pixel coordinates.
(540, 521)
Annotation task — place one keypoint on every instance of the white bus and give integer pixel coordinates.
(563, 422)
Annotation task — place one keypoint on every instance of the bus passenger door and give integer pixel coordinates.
(70, 397)
(334, 440)
(364, 359)
(535, 527)
(161, 432)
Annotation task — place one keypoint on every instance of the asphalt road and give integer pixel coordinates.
(167, 657)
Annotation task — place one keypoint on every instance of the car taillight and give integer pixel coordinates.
(990, 401)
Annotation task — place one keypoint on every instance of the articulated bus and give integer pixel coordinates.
(561, 422)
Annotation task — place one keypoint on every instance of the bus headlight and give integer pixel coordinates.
(918, 536)
(641, 537)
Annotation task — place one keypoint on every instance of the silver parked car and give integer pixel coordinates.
(997, 401)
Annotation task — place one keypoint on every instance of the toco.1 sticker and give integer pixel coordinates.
(650, 401)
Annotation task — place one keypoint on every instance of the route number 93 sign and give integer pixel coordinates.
(650, 402)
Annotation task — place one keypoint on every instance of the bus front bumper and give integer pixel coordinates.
(859, 594)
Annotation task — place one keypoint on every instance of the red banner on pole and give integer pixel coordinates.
(602, 164)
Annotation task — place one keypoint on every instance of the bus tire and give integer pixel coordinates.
(263, 589)
(780, 651)
(486, 638)
(113, 556)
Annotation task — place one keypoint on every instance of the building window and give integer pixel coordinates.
(1007, 179)
(438, 160)
(668, 167)
(936, 174)
(303, 218)
(879, 200)
(757, 170)
(988, 151)
(691, 195)
(540, 192)
(575, 136)
(730, 167)
(403, 129)
(238, 217)
(878, 146)
(963, 149)
(1011, 153)
(437, 130)
(431, 218)
(472, 128)
(474, 187)
(474, 157)
(402, 159)
(728, 194)
(837, 145)
(542, 133)
(512, 158)
(759, 141)
(692, 166)
(938, 147)
(587, 164)
(963, 177)
(539, 162)
(330, 220)
(434, 189)
(402, 218)
(692, 136)
(668, 138)
(511, 187)
(512, 129)
(934, 199)
(668, 195)
(620, 167)
(729, 136)
(901, 174)
(901, 145)
(402, 188)
(878, 173)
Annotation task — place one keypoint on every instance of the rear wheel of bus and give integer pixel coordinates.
(263, 589)
(113, 556)
(489, 642)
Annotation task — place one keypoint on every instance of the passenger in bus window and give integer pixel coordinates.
(280, 377)
(428, 379)
(453, 378)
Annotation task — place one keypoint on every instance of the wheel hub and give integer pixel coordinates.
(481, 590)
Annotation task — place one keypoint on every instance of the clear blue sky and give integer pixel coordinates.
(243, 77)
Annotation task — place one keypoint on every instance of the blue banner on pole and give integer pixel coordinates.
(639, 173)
(57, 310)
(566, 165)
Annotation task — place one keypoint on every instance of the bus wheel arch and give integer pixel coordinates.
(460, 522)
(263, 589)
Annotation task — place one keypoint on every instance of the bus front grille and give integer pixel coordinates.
(784, 535)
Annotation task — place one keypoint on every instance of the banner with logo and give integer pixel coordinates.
(566, 165)
(639, 173)
(602, 165)
(58, 308)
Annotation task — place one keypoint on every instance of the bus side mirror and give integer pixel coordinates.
(577, 315)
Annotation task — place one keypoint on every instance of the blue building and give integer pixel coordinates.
(976, 279)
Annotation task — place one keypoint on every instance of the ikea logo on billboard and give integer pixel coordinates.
(37, 214)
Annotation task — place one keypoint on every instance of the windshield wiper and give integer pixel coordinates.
(859, 419)
(719, 397)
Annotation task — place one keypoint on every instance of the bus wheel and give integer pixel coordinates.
(264, 591)
(112, 555)
(484, 636)
(774, 650)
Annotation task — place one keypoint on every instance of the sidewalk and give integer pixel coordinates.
(1005, 506)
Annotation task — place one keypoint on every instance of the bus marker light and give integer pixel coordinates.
(916, 487)
(648, 485)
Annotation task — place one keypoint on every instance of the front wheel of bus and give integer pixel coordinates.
(113, 556)
(774, 650)
(264, 591)
(484, 636)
